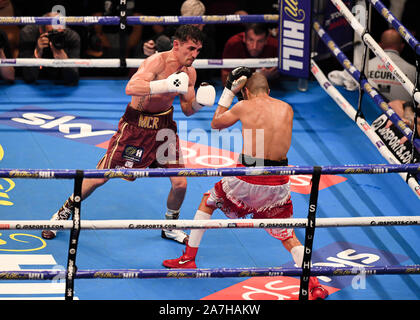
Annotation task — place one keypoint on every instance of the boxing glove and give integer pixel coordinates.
(205, 96)
(236, 80)
(176, 82)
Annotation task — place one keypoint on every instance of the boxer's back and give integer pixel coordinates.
(266, 122)
(270, 120)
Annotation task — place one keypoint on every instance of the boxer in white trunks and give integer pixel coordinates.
(261, 197)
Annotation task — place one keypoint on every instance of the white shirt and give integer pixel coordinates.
(382, 79)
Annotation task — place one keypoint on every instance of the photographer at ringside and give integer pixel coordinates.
(49, 42)
(6, 72)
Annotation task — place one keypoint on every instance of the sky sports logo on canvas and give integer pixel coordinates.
(58, 124)
(334, 255)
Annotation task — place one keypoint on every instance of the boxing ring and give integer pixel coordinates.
(304, 202)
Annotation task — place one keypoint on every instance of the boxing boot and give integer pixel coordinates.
(317, 291)
(64, 213)
(186, 261)
(174, 234)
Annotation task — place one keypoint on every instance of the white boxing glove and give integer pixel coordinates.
(176, 82)
(205, 96)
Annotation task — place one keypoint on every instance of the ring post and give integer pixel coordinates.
(309, 236)
(74, 237)
(122, 33)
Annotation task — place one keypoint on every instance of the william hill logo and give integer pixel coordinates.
(292, 10)
(294, 37)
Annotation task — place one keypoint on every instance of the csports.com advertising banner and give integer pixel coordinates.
(395, 141)
(294, 37)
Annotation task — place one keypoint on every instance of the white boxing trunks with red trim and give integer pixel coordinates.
(261, 197)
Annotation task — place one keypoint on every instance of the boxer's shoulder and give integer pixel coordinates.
(155, 63)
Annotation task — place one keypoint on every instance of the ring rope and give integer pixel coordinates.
(376, 97)
(205, 273)
(207, 172)
(138, 20)
(404, 32)
(141, 20)
(134, 63)
(376, 49)
(262, 171)
(331, 90)
(213, 224)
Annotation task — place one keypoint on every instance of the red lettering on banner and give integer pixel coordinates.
(103, 145)
(197, 155)
(244, 225)
(302, 183)
(263, 288)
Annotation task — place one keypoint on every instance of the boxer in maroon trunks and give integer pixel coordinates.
(146, 135)
(266, 122)
(136, 143)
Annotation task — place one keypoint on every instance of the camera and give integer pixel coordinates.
(56, 38)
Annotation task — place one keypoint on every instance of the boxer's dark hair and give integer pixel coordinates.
(188, 32)
(258, 28)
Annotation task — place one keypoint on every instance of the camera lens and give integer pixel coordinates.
(57, 38)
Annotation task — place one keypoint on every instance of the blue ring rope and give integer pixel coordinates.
(206, 273)
(404, 32)
(345, 62)
(207, 172)
(142, 20)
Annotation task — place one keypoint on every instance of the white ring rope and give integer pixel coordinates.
(134, 63)
(77, 224)
(210, 224)
(377, 50)
(362, 124)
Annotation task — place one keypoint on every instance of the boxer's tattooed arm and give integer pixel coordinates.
(142, 101)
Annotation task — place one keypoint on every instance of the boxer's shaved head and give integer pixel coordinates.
(257, 83)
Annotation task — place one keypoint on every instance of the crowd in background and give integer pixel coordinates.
(102, 41)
